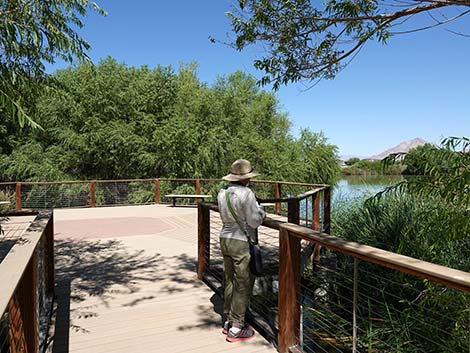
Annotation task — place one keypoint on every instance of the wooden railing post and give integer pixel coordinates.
(157, 191)
(197, 186)
(277, 195)
(316, 212)
(326, 210)
(92, 193)
(289, 290)
(293, 211)
(203, 239)
(316, 225)
(18, 196)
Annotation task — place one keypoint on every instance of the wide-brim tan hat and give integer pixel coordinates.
(241, 169)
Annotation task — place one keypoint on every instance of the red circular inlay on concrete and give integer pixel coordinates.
(109, 227)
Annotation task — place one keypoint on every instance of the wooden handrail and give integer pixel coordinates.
(18, 258)
(55, 182)
(293, 183)
(161, 179)
(281, 199)
(447, 276)
(291, 255)
(94, 190)
(190, 179)
(268, 221)
(21, 273)
(298, 197)
(311, 192)
(210, 206)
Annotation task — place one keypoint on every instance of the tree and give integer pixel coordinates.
(415, 159)
(352, 161)
(319, 158)
(112, 121)
(33, 32)
(445, 173)
(304, 39)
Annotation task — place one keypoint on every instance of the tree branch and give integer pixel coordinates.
(439, 23)
(359, 44)
(390, 16)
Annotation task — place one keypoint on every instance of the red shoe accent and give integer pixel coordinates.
(244, 335)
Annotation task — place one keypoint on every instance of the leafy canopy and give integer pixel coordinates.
(33, 32)
(111, 121)
(312, 40)
(445, 171)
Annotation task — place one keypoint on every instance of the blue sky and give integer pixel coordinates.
(416, 86)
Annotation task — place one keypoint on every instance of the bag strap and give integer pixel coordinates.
(234, 215)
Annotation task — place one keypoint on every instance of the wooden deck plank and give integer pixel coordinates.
(139, 292)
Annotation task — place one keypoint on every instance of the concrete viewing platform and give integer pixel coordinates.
(126, 282)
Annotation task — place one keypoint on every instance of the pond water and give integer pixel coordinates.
(358, 185)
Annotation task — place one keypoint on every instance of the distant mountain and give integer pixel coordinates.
(405, 146)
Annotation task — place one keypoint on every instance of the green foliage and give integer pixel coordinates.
(7, 195)
(415, 159)
(304, 39)
(411, 225)
(33, 32)
(111, 121)
(319, 162)
(352, 161)
(406, 313)
(31, 161)
(55, 195)
(372, 167)
(445, 172)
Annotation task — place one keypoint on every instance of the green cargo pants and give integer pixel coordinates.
(238, 279)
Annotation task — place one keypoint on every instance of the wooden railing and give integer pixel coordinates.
(292, 328)
(290, 236)
(320, 220)
(93, 193)
(317, 217)
(27, 287)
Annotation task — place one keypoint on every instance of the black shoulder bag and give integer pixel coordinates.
(256, 260)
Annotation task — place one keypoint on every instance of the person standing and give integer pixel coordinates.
(241, 215)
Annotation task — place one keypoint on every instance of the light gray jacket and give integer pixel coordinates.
(249, 213)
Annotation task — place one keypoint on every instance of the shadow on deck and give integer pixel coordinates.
(136, 292)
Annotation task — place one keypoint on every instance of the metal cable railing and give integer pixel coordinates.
(64, 194)
(347, 307)
(124, 192)
(47, 196)
(362, 299)
(350, 297)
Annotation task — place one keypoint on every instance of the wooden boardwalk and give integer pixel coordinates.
(126, 282)
(12, 229)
